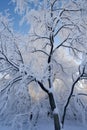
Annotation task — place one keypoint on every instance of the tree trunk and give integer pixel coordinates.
(52, 105)
(55, 115)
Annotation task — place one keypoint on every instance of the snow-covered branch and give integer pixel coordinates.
(70, 95)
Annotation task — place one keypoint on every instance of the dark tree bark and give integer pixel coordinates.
(55, 115)
(53, 106)
(70, 95)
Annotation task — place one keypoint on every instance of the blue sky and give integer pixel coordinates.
(6, 4)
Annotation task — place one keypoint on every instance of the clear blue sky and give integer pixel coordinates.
(6, 4)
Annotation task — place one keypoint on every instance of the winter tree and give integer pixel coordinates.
(54, 46)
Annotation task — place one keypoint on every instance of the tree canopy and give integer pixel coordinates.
(51, 57)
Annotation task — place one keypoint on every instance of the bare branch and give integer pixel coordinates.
(73, 48)
(80, 94)
(42, 87)
(39, 82)
(67, 10)
(62, 27)
(47, 44)
(18, 52)
(6, 27)
(40, 51)
(54, 2)
(9, 61)
(61, 44)
(9, 85)
(70, 95)
(5, 58)
(38, 37)
(58, 64)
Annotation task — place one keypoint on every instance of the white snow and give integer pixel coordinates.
(45, 124)
(5, 128)
(70, 125)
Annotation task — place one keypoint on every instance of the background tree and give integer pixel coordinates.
(56, 32)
